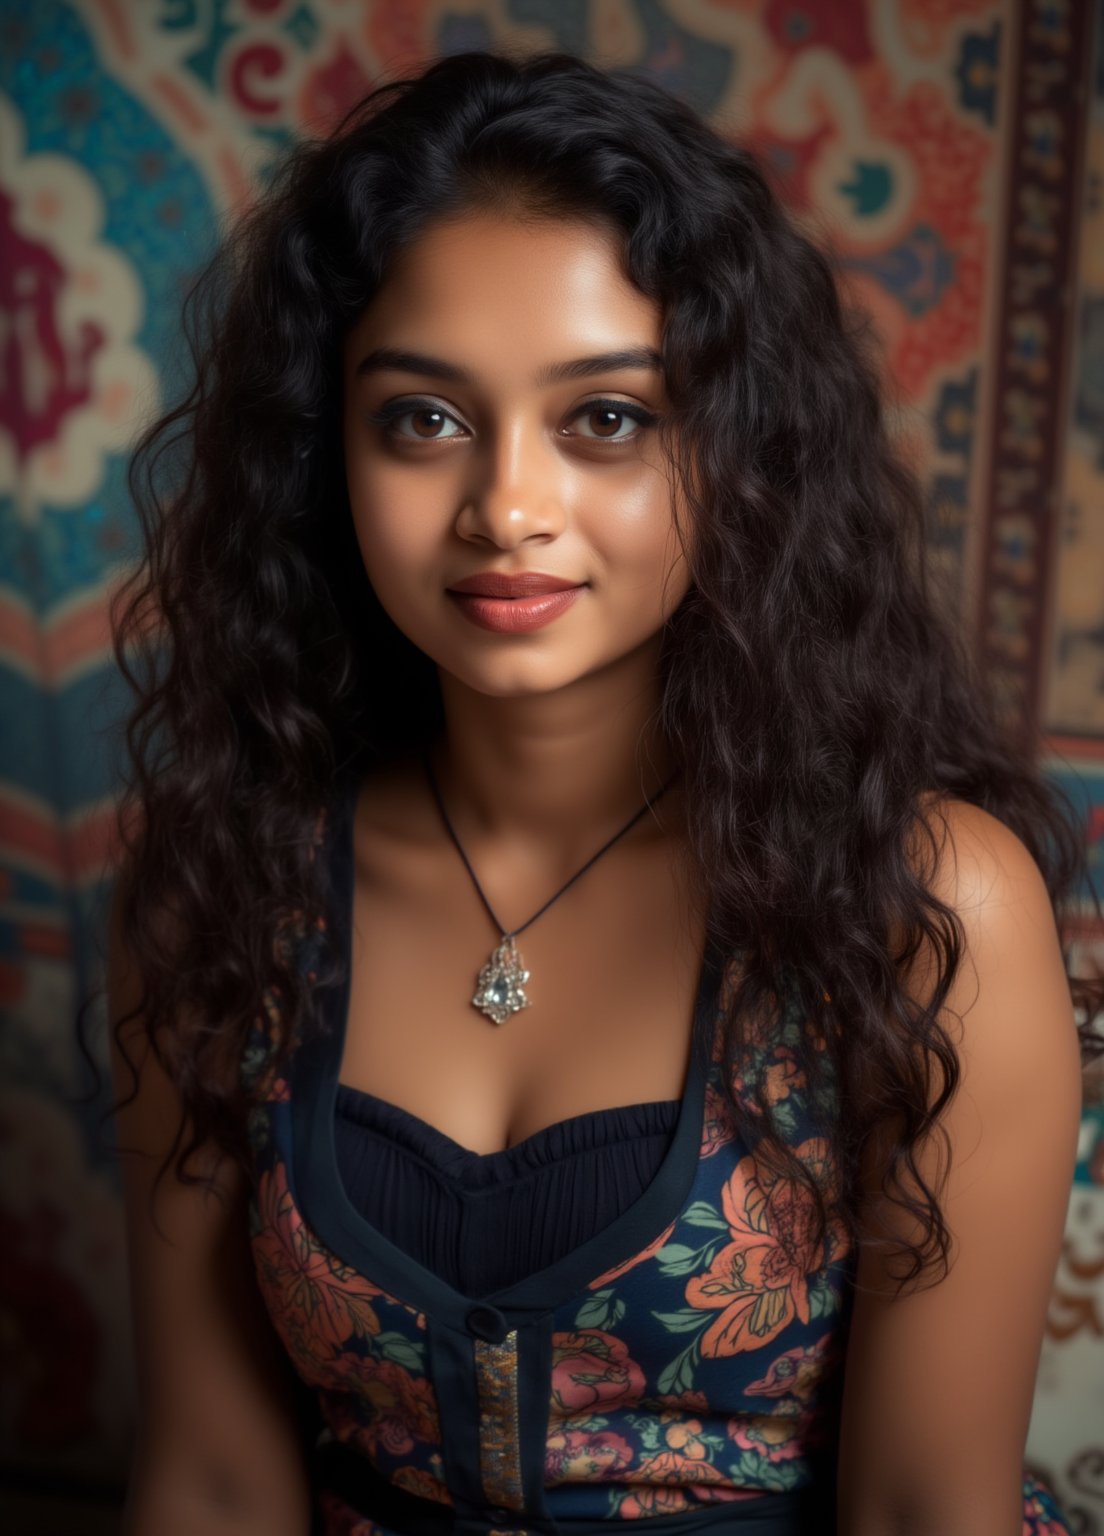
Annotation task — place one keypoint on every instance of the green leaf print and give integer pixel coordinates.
(397, 1347)
(596, 1311)
(646, 1426)
(676, 1253)
(701, 1214)
(683, 1321)
(593, 1425)
(786, 1118)
(677, 1259)
(679, 1375)
(756, 1470)
(257, 1129)
(822, 1300)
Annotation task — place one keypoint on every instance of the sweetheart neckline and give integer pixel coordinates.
(334, 1219)
(346, 1092)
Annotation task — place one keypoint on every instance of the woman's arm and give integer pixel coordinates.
(939, 1383)
(218, 1450)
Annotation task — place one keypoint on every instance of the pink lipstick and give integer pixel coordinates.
(513, 615)
(514, 604)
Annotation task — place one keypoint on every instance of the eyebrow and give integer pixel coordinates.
(393, 358)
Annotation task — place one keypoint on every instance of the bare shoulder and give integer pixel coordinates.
(1008, 1008)
(978, 857)
(1012, 976)
(940, 1380)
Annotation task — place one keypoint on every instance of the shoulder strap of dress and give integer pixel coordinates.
(298, 942)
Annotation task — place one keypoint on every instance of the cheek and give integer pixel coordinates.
(396, 559)
(396, 529)
(641, 550)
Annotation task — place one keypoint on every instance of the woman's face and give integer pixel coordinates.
(514, 443)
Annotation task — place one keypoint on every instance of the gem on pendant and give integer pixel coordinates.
(501, 991)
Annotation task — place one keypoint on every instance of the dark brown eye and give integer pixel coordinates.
(427, 417)
(433, 418)
(607, 417)
(607, 420)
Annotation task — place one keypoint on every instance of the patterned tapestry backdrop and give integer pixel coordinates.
(952, 154)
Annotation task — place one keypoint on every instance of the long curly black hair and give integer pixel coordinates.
(814, 688)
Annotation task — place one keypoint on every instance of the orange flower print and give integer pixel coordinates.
(403, 1407)
(777, 1072)
(317, 1303)
(593, 1373)
(418, 1481)
(776, 1437)
(638, 1258)
(581, 1455)
(797, 1373)
(782, 1074)
(758, 1282)
(684, 1435)
(686, 1457)
(679, 1469)
(652, 1499)
(393, 1410)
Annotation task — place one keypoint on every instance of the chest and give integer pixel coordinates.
(614, 969)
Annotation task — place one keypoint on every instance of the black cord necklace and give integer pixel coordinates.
(501, 988)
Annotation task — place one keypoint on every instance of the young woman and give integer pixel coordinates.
(590, 1022)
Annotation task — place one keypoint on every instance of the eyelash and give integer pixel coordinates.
(409, 407)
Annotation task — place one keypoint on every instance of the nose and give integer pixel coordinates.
(513, 494)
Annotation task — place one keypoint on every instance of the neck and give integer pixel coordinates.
(561, 770)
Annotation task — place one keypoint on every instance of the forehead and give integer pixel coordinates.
(494, 286)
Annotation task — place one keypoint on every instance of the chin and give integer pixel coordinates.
(517, 679)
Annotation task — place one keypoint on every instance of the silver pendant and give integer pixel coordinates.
(500, 992)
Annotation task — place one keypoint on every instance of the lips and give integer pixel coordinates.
(515, 615)
(521, 584)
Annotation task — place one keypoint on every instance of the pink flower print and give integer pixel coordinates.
(758, 1281)
(775, 1437)
(638, 1258)
(795, 1373)
(316, 1302)
(592, 1372)
(580, 1455)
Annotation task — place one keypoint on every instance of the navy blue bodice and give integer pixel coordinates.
(481, 1221)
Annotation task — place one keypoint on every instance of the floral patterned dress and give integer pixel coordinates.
(682, 1367)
